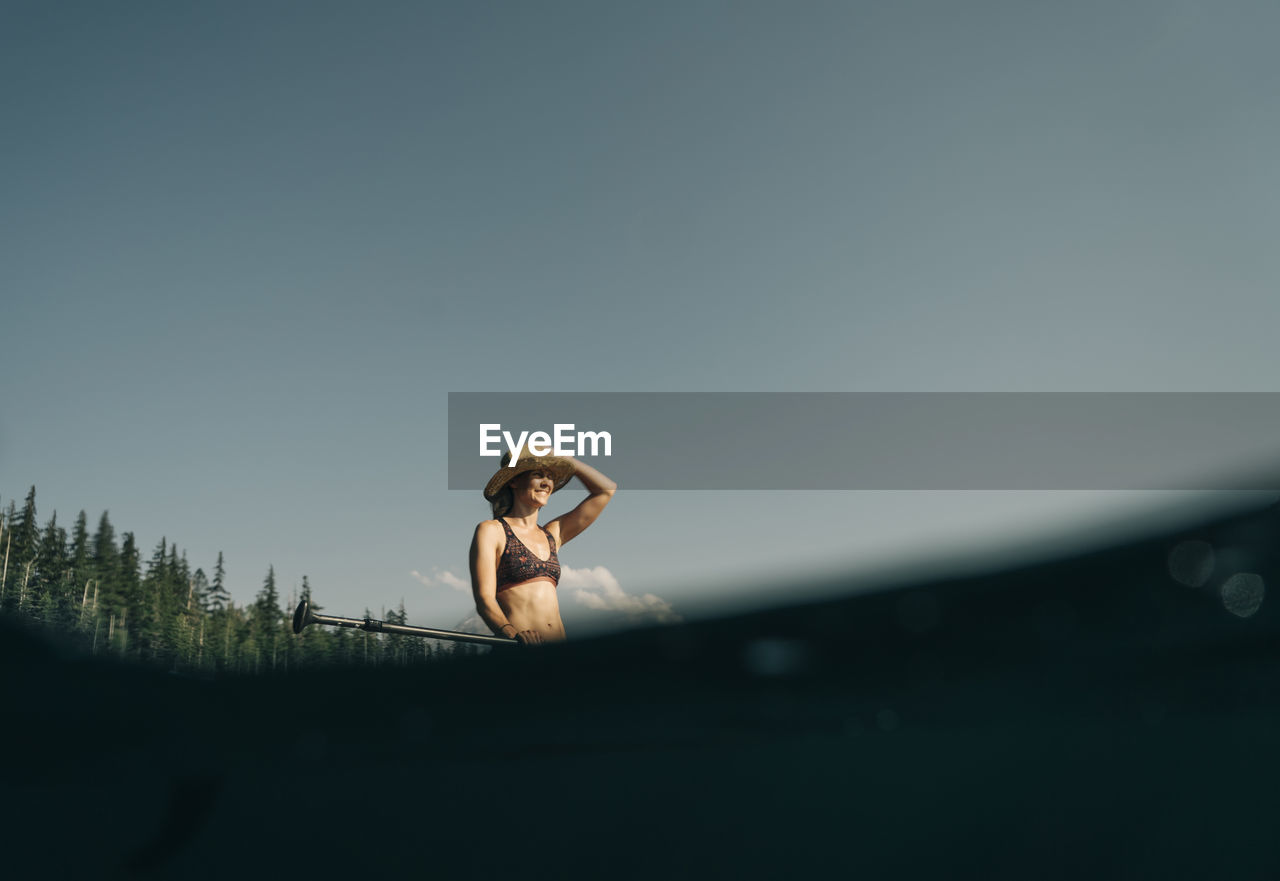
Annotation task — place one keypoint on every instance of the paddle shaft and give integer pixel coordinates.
(373, 625)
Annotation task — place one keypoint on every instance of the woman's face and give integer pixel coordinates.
(533, 488)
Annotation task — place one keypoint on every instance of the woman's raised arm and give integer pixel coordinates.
(601, 490)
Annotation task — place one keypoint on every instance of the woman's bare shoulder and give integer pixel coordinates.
(488, 529)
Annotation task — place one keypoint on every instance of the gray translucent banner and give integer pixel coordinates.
(890, 440)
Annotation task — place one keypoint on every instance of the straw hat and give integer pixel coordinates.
(557, 468)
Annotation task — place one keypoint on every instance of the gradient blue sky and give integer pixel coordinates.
(247, 249)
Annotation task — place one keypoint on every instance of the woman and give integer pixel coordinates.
(514, 563)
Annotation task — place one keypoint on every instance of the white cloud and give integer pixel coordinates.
(442, 579)
(597, 588)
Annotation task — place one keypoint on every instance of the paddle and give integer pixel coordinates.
(303, 616)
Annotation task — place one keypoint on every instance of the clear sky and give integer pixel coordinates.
(246, 250)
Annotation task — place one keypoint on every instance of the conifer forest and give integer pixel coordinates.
(99, 593)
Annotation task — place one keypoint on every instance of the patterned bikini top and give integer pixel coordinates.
(518, 564)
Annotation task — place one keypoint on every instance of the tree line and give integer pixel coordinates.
(98, 592)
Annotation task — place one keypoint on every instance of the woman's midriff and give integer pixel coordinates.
(533, 605)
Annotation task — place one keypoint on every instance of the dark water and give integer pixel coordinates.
(1110, 714)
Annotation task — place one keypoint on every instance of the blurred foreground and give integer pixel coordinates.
(1114, 714)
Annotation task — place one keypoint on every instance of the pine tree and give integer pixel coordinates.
(179, 573)
(175, 593)
(47, 598)
(6, 532)
(199, 616)
(132, 611)
(22, 545)
(81, 565)
(103, 599)
(200, 590)
(393, 644)
(267, 620)
(26, 532)
(153, 612)
(246, 651)
(218, 640)
(218, 595)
